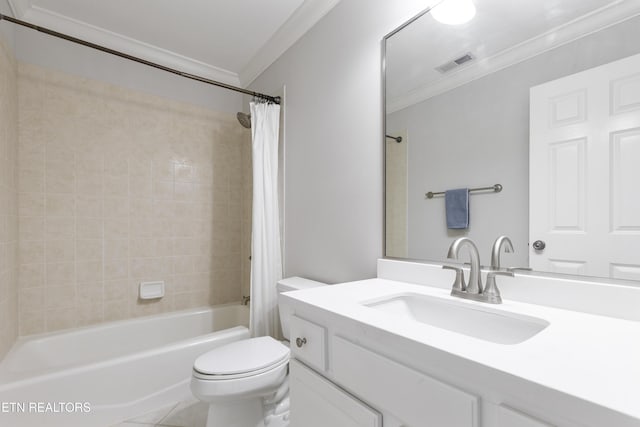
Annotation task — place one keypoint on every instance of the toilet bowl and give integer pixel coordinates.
(245, 383)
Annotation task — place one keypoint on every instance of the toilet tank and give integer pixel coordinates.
(291, 284)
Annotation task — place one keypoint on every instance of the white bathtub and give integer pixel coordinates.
(120, 369)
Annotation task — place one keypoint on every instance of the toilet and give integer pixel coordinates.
(245, 382)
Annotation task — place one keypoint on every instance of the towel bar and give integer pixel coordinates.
(495, 188)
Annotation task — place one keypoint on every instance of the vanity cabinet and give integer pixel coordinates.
(316, 402)
(335, 381)
(375, 379)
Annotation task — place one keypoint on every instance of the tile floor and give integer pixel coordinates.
(190, 413)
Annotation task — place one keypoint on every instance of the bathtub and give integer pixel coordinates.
(100, 375)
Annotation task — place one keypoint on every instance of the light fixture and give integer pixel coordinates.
(454, 12)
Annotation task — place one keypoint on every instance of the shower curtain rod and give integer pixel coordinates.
(274, 99)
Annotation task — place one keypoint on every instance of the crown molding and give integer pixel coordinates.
(301, 21)
(101, 36)
(601, 18)
(19, 7)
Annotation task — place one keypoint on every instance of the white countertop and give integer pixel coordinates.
(594, 358)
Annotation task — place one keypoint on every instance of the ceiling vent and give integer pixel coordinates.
(448, 66)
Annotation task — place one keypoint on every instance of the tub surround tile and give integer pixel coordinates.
(89, 228)
(89, 271)
(32, 322)
(60, 318)
(117, 290)
(32, 300)
(30, 180)
(9, 204)
(60, 251)
(59, 274)
(60, 178)
(124, 187)
(88, 294)
(58, 228)
(89, 207)
(60, 205)
(116, 269)
(116, 310)
(90, 314)
(31, 251)
(31, 204)
(89, 249)
(31, 275)
(31, 228)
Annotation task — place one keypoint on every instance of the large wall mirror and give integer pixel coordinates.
(541, 97)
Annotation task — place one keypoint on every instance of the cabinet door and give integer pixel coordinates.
(317, 402)
(413, 397)
(507, 417)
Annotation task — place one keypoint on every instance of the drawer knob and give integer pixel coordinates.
(300, 342)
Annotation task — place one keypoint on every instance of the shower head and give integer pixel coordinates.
(244, 119)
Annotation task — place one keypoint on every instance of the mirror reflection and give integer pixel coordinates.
(541, 98)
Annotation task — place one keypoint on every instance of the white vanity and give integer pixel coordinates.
(398, 350)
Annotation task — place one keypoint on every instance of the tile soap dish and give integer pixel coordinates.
(151, 290)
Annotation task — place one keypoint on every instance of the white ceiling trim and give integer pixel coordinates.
(101, 36)
(301, 21)
(599, 19)
(19, 7)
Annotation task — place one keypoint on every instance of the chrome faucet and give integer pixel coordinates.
(492, 292)
(495, 251)
(474, 290)
(475, 280)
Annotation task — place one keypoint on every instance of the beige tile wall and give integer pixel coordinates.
(8, 201)
(118, 187)
(396, 186)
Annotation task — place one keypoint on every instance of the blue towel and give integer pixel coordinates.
(457, 206)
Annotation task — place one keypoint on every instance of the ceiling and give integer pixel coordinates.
(501, 34)
(231, 41)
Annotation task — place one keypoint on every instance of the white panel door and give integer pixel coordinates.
(585, 172)
(317, 402)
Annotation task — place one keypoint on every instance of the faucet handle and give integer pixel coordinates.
(491, 292)
(458, 285)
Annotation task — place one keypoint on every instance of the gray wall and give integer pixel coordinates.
(333, 153)
(478, 135)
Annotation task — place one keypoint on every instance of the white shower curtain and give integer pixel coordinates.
(266, 262)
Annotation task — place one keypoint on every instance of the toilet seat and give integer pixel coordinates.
(241, 359)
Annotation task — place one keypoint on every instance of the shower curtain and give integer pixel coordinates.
(266, 262)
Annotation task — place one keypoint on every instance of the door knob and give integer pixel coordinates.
(300, 342)
(539, 245)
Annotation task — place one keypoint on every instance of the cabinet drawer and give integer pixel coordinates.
(413, 397)
(308, 342)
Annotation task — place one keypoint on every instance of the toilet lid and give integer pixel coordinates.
(242, 356)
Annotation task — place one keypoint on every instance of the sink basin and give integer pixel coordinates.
(468, 319)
